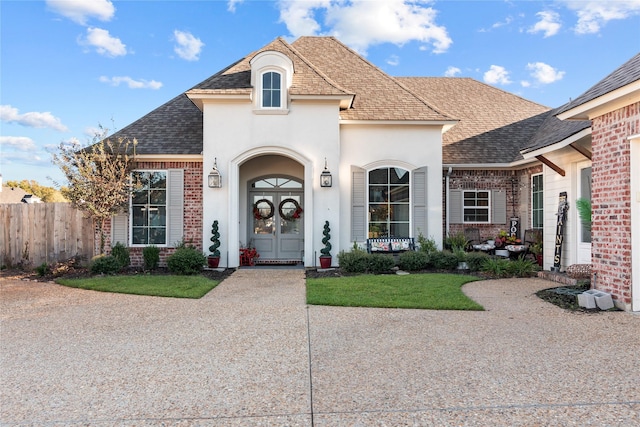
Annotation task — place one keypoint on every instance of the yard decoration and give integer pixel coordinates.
(213, 260)
(325, 258)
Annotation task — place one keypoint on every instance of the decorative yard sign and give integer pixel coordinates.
(563, 206)
(514, 226)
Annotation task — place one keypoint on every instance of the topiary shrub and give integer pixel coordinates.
(151, 257)
(444, 260)
(215, 240)
(326, 251)
(354, 261)
(378, 264)
(413, 260)
(475, 260)
(121, 253)
(107, 264)
(186, 260)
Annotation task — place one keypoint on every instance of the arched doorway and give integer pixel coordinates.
(276, 218)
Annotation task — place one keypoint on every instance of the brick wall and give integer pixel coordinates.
(611, 201)
(192, 209)
(495, 180)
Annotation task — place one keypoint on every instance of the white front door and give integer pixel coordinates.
(583, 232)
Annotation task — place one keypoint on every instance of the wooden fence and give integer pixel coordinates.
(32, 234)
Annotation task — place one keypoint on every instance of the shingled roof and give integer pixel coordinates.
(494, 125)
(553, 130)
(627, 73)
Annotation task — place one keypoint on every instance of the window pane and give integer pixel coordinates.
(379, 176)
(400, 194)
(139, 215)
(378, 194)
(378, 229)
(378, 212)
(157, 216)
(139, 236)
(275, 81)
(157, 197)
(275, 98)
(399, 229)
(266, 81)
(157, 236)
(399, 176)
(266, 98)
(399, 213)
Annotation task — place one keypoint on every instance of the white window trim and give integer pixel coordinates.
(130, 225)
(368, 201)
(488, 207)
(532, 194)
(260, 108)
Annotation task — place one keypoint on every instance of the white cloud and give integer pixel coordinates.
(496, 75)
(362, 23)
(393, 60)
(187, 46)
(231, 5)
(592, 15)
(131, 83)
(549, 24)
(20, 143)
(33, 119)
(104, 43)
(544, 73)
(525, 83)
(80, 11)
(452, 71)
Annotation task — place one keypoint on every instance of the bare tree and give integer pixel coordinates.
(98, 177)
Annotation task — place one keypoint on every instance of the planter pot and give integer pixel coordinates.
(325, 262)
(502, 252)
(462, 265)
(213, 261)
(539, 259)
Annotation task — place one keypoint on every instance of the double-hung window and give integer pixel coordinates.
(389, 203)
(476, 206)
(271, 90)
(149, 208)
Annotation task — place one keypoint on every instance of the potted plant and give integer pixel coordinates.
(500, 242)
(461, 256)
(213, 260)
(325, 258)
(536, 250)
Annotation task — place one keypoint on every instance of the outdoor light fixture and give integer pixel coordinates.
(325, 176)
(215, 180)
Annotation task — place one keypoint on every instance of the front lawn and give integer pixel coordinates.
(424, 291)
(152, 285)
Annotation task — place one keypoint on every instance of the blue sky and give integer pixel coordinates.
(68, 66)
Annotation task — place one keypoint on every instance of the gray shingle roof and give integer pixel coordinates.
(553, 130)
(494, 124)
(628, 72)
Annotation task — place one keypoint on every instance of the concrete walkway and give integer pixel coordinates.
(252, 353)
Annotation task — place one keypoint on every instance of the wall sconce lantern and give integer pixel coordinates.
(325, 176)
(215, 179)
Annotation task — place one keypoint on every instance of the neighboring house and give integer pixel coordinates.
(608, 173)
(16, 195)
(407, 156)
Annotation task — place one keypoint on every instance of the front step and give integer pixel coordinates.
(261, 261)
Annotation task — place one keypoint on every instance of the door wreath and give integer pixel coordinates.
(290, 214)
(258, 211)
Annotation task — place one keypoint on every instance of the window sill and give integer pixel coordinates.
(271, 111)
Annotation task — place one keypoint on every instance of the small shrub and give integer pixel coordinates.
(456, 241)
(427, 245)
(151, 256)
(378, 264)
(354, 261)
(475, 260)
(495, 266)
(107, 264)
(186, 260)
(413, 260)
(121, 253)
(521, 268)
(42, 269)
(444, 260)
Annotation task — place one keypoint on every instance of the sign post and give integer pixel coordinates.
(563, 206)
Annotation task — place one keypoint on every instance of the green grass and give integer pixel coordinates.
(152, 285)
(423, 291)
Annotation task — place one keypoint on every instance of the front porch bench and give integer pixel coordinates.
(390, 244)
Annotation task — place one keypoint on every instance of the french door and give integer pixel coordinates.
(584, 233)
(276, 222)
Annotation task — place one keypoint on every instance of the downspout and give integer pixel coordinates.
(446, 195)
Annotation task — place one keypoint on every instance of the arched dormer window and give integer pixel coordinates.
(271, 90)
(271, 78)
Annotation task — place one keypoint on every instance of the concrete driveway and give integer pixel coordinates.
(252, 353)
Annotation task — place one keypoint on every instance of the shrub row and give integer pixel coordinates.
(359, 261)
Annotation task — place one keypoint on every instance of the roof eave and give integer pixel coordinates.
(443, 123)
(510, 165)
(604, 104)
(345, 101)
(199, 98)
(557, 145)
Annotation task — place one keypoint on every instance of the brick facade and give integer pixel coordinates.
(611, 201)
(193, 176)
(495, 180)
